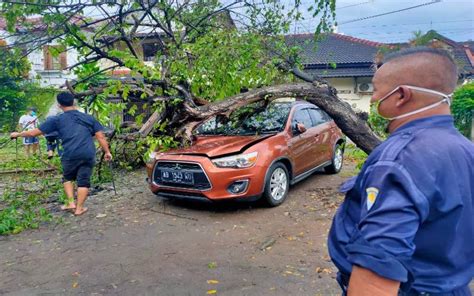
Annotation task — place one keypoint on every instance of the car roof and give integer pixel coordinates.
(302, 103)
(293, 102)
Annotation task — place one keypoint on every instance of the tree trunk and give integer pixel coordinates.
(321, 95)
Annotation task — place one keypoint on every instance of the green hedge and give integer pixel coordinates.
(462, 108)
(15, 99)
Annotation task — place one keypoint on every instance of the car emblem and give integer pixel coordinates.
(177, 167)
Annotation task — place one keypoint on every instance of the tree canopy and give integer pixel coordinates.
(12, 92)
(187, 60)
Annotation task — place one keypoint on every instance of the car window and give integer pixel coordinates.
(318, 116)
(257, 118)
(302, 116)
(325, 115)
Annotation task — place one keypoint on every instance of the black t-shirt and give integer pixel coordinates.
(76, 131)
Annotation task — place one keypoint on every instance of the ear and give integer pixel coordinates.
(405, 96)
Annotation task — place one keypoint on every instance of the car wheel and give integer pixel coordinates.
(336, 161)
(276, 185)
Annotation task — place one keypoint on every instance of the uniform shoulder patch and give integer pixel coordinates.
(372, 193)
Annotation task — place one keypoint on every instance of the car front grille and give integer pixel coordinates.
(201, 181)
(181, 194)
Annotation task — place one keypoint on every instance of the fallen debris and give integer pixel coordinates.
(268, 243)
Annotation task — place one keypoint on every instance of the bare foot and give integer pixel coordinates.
(68, 207)
(79, 212)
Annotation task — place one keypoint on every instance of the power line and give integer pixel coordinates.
(310, 21)
(413, 24)
(390, 12)
(406, 32)
(352, 5)
(399, 36)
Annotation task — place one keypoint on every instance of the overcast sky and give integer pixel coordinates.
(452, 18)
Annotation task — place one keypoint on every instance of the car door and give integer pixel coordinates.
(322, 149)
(300, 144)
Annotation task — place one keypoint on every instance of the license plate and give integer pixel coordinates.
(176, 176)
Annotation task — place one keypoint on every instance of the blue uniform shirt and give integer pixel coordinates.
(76, 131)
(409, 214)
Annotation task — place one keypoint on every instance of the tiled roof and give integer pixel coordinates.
(37, 23)
(353, 57)
(469, 44)
(334, 48)
(462, 59)
(342, 72)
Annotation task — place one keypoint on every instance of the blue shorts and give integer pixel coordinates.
(51, 143)
(79, 170)
(30, 140)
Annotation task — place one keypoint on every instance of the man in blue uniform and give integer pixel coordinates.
(76, 131)
(406, 226)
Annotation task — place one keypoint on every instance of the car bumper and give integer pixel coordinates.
(219, 178)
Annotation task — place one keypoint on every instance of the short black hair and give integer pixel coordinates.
(65, 99)
(418, 50)
(447, 72)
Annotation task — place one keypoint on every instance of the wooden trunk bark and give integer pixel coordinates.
(321, 95)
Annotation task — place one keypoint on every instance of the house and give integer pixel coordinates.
(462, 52)
(348, 62)
(47, 68)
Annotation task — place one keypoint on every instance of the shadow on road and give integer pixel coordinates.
(231, 205)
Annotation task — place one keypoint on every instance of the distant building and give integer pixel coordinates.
(348, 62)
(48, 69)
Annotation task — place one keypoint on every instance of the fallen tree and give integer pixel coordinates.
(209, 59)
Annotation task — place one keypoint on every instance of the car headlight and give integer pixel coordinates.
(237, 161)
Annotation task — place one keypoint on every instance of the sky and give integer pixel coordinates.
(451, 18)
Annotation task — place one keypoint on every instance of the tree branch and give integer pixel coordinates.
(322, 96)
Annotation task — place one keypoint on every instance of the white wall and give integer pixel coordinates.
(346, 88)
(54, 78)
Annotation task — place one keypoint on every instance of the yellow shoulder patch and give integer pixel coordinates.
(372, 193)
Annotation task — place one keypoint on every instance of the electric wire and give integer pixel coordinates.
(353, 5)
(389, 12)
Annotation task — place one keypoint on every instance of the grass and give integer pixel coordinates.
(26, 198)
(354, 154)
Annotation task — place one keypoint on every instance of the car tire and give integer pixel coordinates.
(277, 185)
(336, 161)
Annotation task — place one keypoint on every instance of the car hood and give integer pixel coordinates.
(213, 146)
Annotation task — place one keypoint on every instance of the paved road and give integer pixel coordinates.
(138, 244)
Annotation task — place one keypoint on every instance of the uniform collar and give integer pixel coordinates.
(426, 122)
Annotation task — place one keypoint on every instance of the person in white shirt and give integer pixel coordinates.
(27, 122)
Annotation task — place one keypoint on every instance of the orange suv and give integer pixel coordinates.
(257, 151)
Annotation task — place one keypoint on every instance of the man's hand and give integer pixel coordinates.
(14, 135)
(31, 133)
(104, 145)
(364, 282)
(108, 156)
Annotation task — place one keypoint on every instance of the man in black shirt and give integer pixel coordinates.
(76, 131)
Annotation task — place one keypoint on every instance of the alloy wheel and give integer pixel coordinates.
(278, 184)
(338, 158)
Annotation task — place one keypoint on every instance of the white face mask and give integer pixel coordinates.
(380, 123)
(446, 99)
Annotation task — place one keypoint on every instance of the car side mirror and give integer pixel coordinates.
(300, 128)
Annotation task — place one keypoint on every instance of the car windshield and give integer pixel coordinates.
(253, 119)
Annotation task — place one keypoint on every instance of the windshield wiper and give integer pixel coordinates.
(271, 131)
